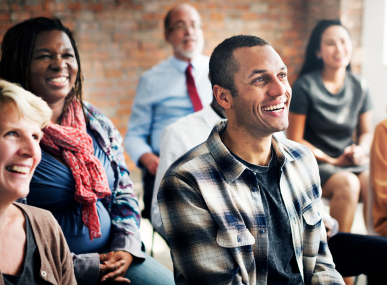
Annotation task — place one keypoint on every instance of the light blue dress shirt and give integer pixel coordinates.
(161, 99)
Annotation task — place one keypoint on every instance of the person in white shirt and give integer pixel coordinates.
(177, 139)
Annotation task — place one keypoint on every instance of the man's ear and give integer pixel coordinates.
(223, 96)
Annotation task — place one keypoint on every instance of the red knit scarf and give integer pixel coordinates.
(71, 141)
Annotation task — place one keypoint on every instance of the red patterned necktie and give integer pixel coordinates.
(192, 92)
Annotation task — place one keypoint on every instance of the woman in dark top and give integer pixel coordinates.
(82, 178)
(329, 105)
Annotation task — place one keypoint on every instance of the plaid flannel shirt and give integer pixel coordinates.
(213, 216)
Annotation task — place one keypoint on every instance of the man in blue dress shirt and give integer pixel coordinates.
(164, 92)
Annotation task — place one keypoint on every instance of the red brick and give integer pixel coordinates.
(15, 7)
(4, 7)
(74, 6)
(47, 14)
(54, 6)
(113, 73)
(123, 112)
(103, 84)
(4, 17)
(217, 17)
(36, 7)
(5, 26)
(96, 7)
(126, 102)
(19, 16)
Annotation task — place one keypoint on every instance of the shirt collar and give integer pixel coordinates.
(182, 65)
(210, 117)
(230, 167)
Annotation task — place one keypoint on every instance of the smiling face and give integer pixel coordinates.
(336, 47)
(54, 67)
(262, 104)
(19, 153)
(185, 33)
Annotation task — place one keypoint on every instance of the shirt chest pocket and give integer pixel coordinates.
(312, 221)
(311, 217)
(230, 238)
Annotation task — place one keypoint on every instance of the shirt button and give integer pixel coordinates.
(254, 189)
(43, 273)
(239, 239)
(262, 232)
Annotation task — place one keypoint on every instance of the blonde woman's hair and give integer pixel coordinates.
(29, 106)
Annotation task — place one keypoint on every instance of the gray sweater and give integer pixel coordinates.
(56, 263)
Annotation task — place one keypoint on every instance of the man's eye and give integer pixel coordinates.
(258, 79)
(283, 75)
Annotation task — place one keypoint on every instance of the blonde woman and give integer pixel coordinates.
(33, 249)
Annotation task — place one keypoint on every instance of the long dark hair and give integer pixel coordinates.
(17, 49)
(311, 61)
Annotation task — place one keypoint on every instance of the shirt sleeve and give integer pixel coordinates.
(140, 123)
(191, 232)
(367, 102)
(123, 204)
(169, 152)
(315, 235)
(324, 271)
(379, 166)
(125, 212)
(299, 103)
(86, 268)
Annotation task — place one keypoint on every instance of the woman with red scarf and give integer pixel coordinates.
(82, 178)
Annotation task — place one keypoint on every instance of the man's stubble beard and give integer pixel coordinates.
(246, 123)
(192, 54)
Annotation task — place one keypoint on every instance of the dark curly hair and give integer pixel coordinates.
(17, 49)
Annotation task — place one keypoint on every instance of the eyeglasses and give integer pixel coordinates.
(184, 27)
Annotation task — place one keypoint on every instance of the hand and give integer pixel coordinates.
(328, 228)
(356, 154)
(114, 266)
(342, 160)
(150, 161)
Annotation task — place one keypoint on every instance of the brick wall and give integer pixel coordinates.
(120, 39)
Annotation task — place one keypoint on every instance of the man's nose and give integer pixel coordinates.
(277, 87)
(190, 29)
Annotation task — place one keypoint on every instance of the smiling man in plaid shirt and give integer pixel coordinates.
(244, 207)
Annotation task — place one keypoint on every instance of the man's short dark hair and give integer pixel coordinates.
(223, 65)
(167, 20)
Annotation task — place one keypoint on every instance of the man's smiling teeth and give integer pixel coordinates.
(58, 80)
(19, 169)
(275, 108)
